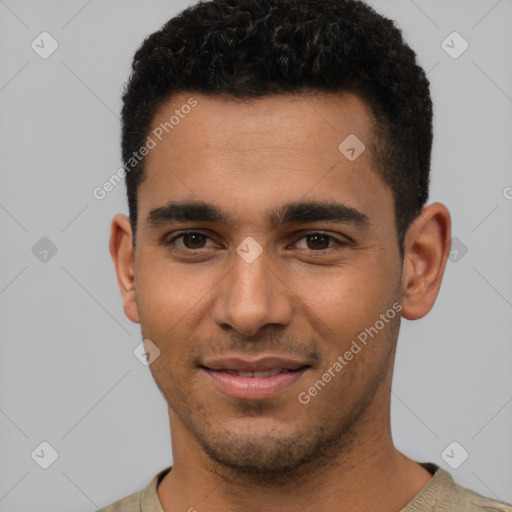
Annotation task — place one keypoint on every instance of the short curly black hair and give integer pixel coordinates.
(253, 48)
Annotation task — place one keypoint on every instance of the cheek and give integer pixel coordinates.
(346, 298)
(343, 307)
(163, 298)
(173, 301)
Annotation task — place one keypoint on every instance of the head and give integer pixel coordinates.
(292, 140)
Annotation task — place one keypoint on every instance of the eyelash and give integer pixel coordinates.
(328, 250)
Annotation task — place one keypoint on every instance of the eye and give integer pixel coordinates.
(317, 241)
(192, 240)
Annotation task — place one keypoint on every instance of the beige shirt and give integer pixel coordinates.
(441, 494)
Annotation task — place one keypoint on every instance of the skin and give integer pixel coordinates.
(296, 298)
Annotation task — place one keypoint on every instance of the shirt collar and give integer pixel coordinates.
(437, 493)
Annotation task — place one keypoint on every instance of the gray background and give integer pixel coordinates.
(68, 375)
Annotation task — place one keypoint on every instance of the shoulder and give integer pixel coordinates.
(130, 503)
(474, 502)
(443, 494)
(145, 500)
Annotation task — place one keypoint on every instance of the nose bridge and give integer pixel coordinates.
(251, 296)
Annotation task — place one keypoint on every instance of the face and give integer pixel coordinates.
(263, 253)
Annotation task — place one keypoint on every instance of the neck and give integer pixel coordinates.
(364, 473)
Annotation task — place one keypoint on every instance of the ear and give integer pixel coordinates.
(426, 250)
(122, 254)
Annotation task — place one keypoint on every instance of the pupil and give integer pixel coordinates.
(315, 239)
(194, 239)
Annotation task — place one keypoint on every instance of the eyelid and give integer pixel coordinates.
(181, 234)
(339, 240)
(338, 237)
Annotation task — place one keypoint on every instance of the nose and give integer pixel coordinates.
(250, 296)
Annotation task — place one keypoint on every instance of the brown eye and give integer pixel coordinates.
(322, 243)
(193, 240)
(318, 241)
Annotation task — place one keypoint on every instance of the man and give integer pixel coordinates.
(277, 157)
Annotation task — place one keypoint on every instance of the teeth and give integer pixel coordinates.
(262, 374)
(257, 375)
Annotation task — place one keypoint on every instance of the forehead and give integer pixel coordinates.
(295, 117)
(258, 151)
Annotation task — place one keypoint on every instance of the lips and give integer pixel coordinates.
(257, 374)
(257, 377)
(256, 364)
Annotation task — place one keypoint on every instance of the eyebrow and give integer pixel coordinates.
(289, 213)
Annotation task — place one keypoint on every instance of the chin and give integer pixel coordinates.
(251, 457)
(264, 449)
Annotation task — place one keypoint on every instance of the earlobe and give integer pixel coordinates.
(427, 246)
(122, 254)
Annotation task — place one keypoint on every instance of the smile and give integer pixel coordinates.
(258, 375)
(258, 378)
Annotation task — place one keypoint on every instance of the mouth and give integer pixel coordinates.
(258, 374)
(255, 379)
